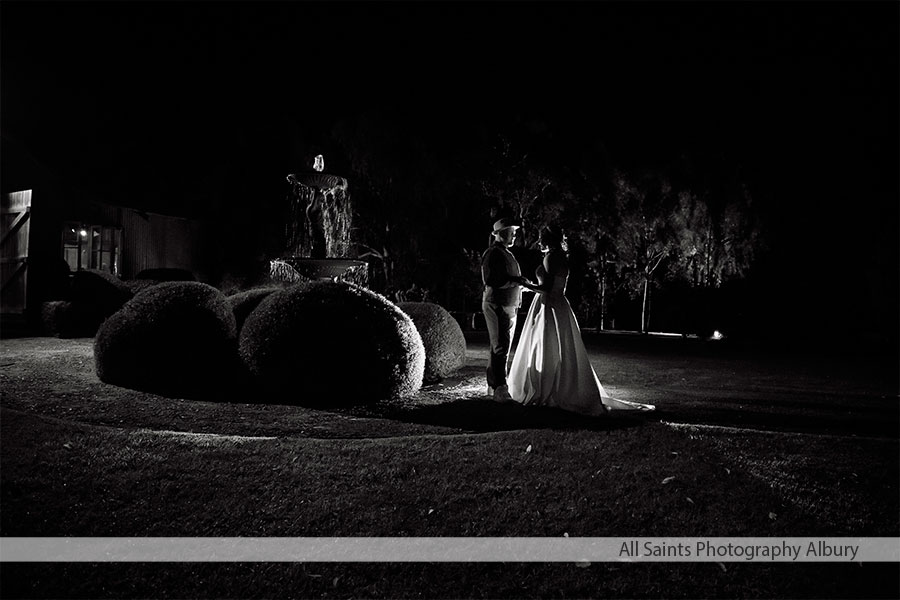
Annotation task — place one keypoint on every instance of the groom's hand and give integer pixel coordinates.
(528, 284)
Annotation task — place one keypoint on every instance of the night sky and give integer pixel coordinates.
(802, 97)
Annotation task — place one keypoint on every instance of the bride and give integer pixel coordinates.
(551, 366)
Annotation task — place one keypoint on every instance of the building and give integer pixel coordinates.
(50, 229)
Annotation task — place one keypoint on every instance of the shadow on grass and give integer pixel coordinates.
(481, 415)
(460, 407)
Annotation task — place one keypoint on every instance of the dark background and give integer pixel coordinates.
(182, 107)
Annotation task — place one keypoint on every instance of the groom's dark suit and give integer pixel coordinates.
(500, 303)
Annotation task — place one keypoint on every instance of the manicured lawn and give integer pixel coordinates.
(82, 458)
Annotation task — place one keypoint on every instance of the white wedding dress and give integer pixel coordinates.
(551, 366)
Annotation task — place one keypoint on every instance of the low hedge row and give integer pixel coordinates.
(311, 343)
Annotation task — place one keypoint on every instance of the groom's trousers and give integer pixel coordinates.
(501, 326)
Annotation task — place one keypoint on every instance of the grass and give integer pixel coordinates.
(583, 483)
(81, 458)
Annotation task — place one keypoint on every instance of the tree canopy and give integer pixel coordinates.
(423, 214)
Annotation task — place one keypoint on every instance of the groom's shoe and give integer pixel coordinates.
(501, 394)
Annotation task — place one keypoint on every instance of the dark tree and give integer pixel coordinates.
(515, 185)
(381, 163)
(643, 237)
(717, 241)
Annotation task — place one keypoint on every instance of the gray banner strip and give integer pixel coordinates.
(449, 549)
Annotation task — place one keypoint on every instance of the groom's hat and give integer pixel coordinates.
(505, 223)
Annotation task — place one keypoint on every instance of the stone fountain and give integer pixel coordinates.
(318, 230)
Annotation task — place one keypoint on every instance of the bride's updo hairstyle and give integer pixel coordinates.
(553, 238)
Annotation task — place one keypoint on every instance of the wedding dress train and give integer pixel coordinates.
(551, 366)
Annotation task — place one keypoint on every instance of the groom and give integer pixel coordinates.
(502, 297)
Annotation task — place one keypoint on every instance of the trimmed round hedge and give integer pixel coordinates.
(245, 302)
(323, 343)
(95, 295)
(175, 338)
(101, 289)
(139, 285)
(445, 344)
(66, 319)
(166, 274)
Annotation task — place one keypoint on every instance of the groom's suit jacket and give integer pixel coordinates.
(498, 265)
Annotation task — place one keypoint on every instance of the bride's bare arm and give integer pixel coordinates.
(552, 266)
(534, 287)
(524, 282)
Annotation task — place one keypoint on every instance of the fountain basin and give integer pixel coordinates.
(296, 268)
(323, 182)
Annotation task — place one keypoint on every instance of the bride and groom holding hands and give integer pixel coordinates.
(551, 366)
